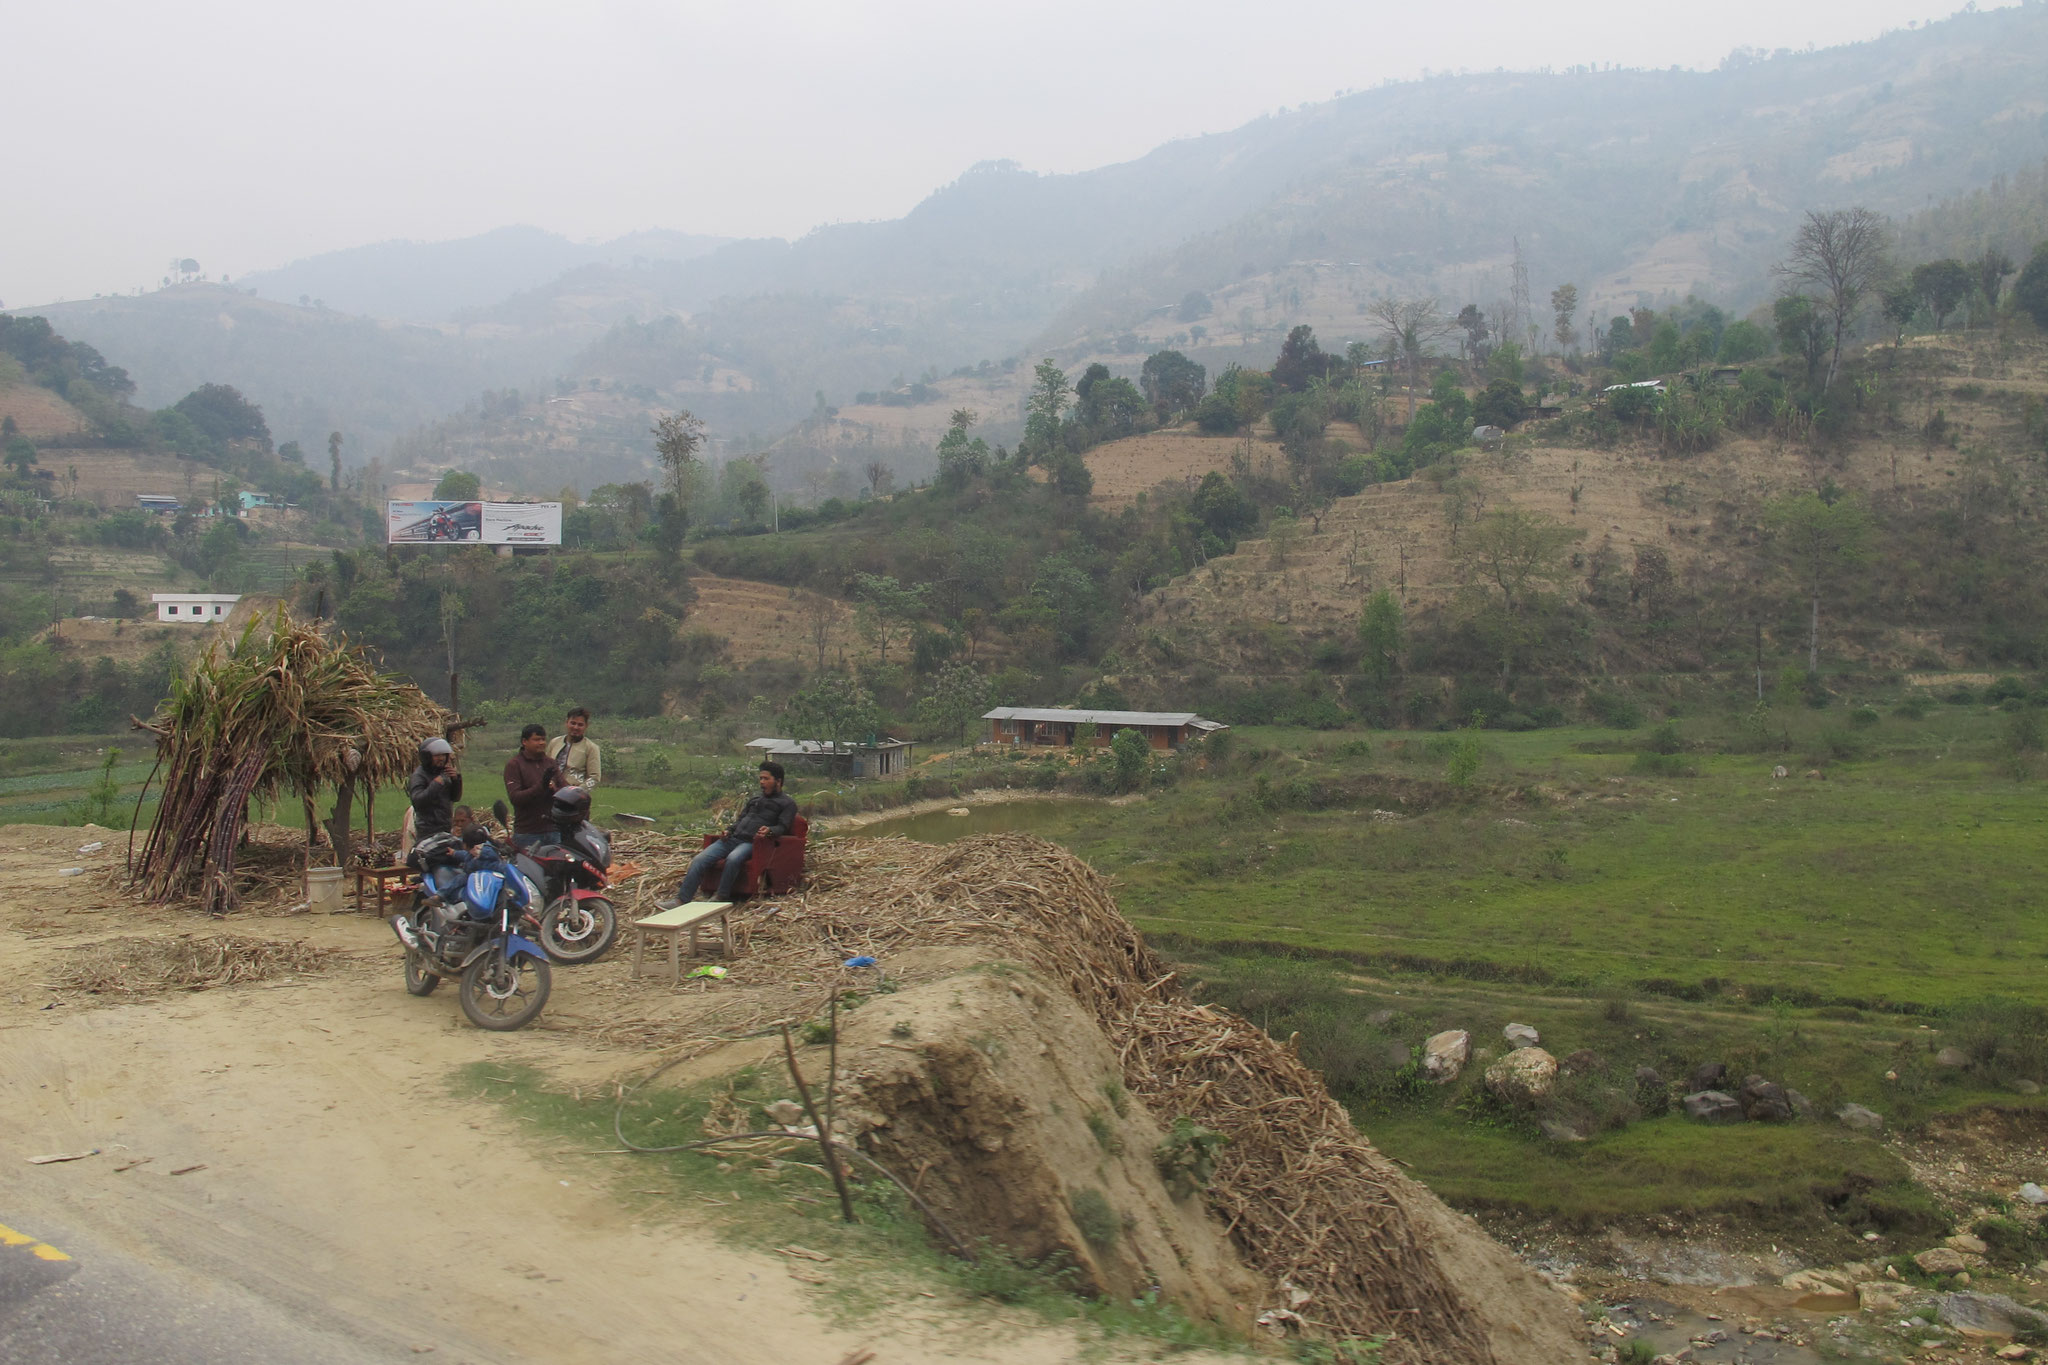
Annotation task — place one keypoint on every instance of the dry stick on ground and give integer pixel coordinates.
(832, 1161)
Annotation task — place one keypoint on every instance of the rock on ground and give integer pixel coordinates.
(1941, 1261)
(1713, 1106)
(1521, 1035)
(1952, 1057)
(1444, 1054)
(1712, 1076)
(1861, 1119)
(1764, 1101)
(1525, 1076)
(1989, 1315)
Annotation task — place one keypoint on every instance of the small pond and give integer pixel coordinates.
(1048, 817)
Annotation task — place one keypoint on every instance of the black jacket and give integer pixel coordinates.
(433, 804)
(764, 815)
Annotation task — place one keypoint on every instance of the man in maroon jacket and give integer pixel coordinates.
(531, 778)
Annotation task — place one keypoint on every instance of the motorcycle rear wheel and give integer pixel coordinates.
(577, 931)
(502, 994)
(419, 978)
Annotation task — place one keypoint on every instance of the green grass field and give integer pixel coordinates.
(1821, 931)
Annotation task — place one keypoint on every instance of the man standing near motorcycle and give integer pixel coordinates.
(433, 789)
(531, 780)
(767, 812)
(575, 753)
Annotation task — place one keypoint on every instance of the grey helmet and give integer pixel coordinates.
(430, 747)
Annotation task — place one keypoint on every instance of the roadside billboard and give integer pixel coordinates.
(477, 523)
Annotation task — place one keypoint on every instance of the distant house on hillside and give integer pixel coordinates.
(157, 502)
(1020, 725)
(885, 757)
(194, 608)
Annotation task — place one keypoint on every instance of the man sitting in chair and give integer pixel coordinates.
(768, 812)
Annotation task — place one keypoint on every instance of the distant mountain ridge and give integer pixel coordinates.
(430, 282)
(1635, 185)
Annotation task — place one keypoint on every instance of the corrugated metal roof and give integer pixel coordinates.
(1092, 717)
(818, 746)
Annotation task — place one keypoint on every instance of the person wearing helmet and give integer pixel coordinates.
(434, 788)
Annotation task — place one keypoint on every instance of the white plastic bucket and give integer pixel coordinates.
(323, 888)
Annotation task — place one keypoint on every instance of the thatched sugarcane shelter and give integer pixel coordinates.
(283, 707)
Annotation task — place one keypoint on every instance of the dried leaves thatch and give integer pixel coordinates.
(156, 964)
(1306, 1199)
(283, 708)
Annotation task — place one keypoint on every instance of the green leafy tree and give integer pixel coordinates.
(1901, 304)
(1300, 362)
(1803, 330)
(1379, 637)
(1131, 756)
(834, 710)
(886, 610)
(291, 452)
(962, 458)
(956, 701)
(677, 439)
(1942, 286)
(2030, 294)
(1172, 384)
(1816, 538)
(1743, 341)
(1501, 405)
(1564, 303)
(334, 461)
(1048, 402)
(220, 411)
(1990, 270)
(458, 485)
(21, 455)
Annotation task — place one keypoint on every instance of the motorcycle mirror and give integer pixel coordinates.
(503, 812)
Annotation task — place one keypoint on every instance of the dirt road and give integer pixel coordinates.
(302, 1142)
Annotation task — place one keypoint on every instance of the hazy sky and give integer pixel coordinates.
(248, 134)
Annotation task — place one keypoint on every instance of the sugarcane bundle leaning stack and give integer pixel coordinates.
(282, 708)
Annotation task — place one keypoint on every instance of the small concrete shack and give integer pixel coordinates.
(885, 757)
(194, 608)
(1021, 725)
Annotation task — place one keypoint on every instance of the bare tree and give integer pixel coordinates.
(1410, 326)
(1843, 254)
(879, 476)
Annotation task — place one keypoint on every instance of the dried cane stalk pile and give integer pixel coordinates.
(282, 708)
(1306, 1199)
(156, 964)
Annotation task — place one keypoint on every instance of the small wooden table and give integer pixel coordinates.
(382, 877)
(692, 917)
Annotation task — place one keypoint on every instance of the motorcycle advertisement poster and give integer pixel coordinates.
(475, 523)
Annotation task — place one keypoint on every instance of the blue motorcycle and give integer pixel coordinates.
(473, 926)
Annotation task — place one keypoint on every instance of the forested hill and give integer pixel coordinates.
(1638, 186)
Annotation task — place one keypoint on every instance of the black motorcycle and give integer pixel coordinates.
(571, 868)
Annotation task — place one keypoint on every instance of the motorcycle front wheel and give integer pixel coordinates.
(576, 931)
(419, 978)
(504, 993)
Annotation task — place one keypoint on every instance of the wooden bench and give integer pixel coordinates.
(381, 877)
(692, 917)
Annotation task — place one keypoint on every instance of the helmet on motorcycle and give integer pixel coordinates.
(571, 806)
(430, 747)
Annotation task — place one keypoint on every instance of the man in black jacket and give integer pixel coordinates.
(769, 812)
(434, 788)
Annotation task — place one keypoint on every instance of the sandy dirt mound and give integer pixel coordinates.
(1334, 1232)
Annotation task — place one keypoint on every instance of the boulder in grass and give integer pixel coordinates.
(1941, 1261)
(1713, 1106)
(1953, 1058)
(1521, 1035)
(1801, 1105)
(1712, 1076)
(1525, 1076)
(1558, 1130)
(1584, 1062)
(2033, 1193)
(1444, 1055)
(1862, 1120)
(1764, 1101)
